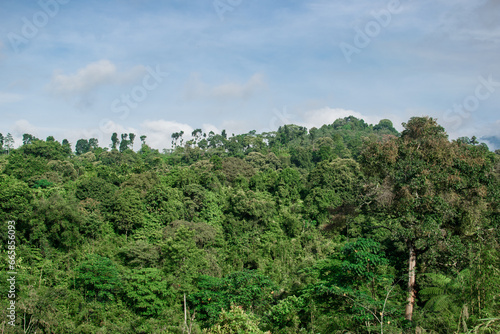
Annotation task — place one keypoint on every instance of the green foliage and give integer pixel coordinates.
(50, 150)
(359, 281)
(98, 277)
(285, 314)
(333, 185)
(291, 231)
(257, 206)
(82, 146)
(25, 167)
(167, 203)
(236, 321)
(247, 289)
(128, 210)
(184, 260)
(57, 221)
(385, 126)
(432, 187)
(95, 188)
(42, 184)
(234, 167)
(15, 199)
(147, 291)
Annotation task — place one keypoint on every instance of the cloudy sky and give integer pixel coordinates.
(80, 69)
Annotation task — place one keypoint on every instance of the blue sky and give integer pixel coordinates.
(81, 69)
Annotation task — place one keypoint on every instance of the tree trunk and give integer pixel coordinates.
(411, 280)
(185, 314)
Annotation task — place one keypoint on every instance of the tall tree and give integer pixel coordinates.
(66, 146)
(9, 142)
(131, 138)
(425, 182)
(124, 143)
(196, 135)
(128, 210)
(28, 139)
(82, 146)
(1, 142)
(114, 140)
(180, 137)
(93, 143)
(175, 137)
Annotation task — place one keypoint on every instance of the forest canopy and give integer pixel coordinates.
(346, 228)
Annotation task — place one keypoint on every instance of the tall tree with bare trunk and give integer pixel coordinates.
(427, 186)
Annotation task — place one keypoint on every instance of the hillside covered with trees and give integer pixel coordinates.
(347, 228)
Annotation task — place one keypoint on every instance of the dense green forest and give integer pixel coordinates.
(347, 228)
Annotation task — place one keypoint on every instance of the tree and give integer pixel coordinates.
(128, 210)
(98, 278)
(82, 146)
(66, 147)
(114, 140)
(185, 261)
(93, 143)
(124, 144)
(386, 126)
(360, 279)
(28, 139)
(15, 201)
(323, 149)
(235, 321)
(131, 137)
(247, 289)
(166, 203)
(429, 186)
(175, 137)
(197, 135)
(334, 186)
(26, 167)
(148, 292)
(56, 220)
(9, 143)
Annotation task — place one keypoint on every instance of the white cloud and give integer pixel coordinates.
(22, 126)
(209, 127)
(102, 133)
(109, 127)
(196, 88)
(92, 76)
(159, 132)
(236, 126)
(9, 97)
(480, 130)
